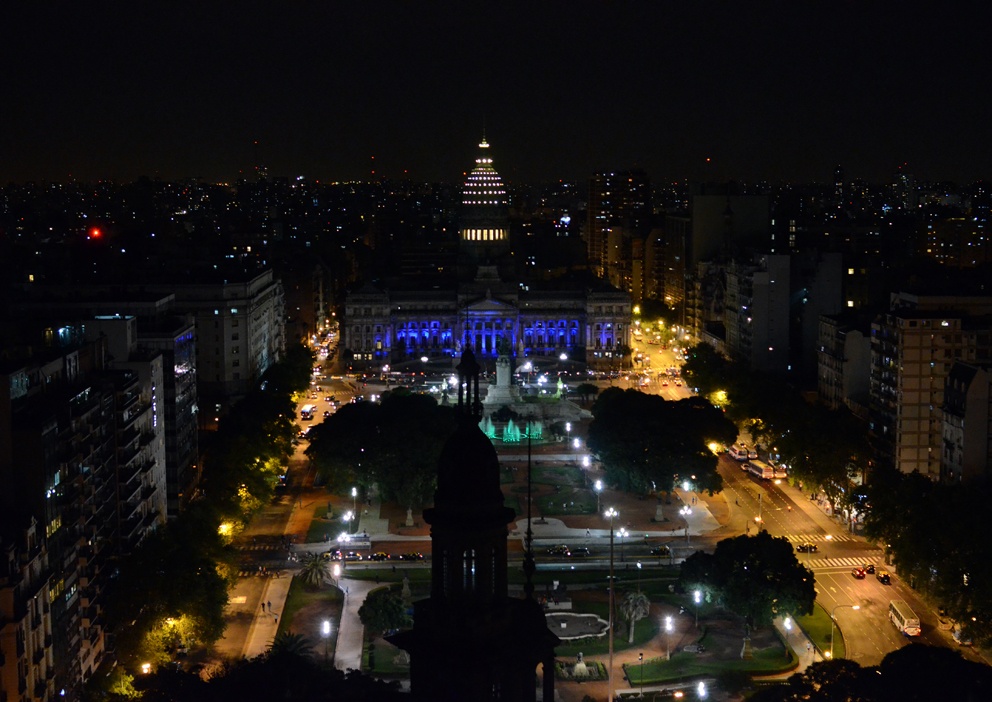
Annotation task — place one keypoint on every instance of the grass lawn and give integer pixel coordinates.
(381, 658)
(568, 500)
(311, 607)
(556, 475)
(817, 627)
(766, 661)
(321, 526)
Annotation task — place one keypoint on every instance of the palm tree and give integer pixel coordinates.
(635, 606)
(314, 571)
(288, 644)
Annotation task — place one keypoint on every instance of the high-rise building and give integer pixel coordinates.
(913, 347)
(619, 204)
(966, 435)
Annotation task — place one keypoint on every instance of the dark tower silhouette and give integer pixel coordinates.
(470, 641)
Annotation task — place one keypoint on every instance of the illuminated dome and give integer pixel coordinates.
(484, 204)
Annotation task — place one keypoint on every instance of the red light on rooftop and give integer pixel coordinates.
(94, 233)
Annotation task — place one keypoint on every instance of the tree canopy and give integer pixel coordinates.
(755, 576)
(383, 611)
(820, 445)
(646, 442)
(949, 563)
(914, 673)
(394, 445)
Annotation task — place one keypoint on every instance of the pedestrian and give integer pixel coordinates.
(277, 618)
(270, 605)
(587, 532)
(263, 608)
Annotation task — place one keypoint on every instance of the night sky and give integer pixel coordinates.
(777, 91)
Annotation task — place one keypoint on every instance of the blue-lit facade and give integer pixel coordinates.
(489, 307)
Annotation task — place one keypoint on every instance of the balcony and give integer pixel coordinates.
(39, 656)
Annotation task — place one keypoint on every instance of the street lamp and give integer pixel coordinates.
(685, 511)
(832, 622)
(325, 631)
(598, 487)
(640, 659)
(354, 500)
(668, 630)
(638, 576)
(622, 532)
(697, 597)
(611, 514)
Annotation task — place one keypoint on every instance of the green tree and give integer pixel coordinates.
(314, 570)
(634, 607)
(755, 576)
(393, 445)
(586, 390)
(383, 611)
(646, 442)
(286, 643)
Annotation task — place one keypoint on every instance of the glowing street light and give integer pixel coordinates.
(697, 597)
(325, 631)
(684, 512)
(622, 533)
(669, 628)
(598, 487)
(611, 514)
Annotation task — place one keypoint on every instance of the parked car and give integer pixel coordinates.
(807, 548)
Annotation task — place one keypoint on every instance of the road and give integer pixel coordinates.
(786, 511)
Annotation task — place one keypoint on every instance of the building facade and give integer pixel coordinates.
(913, 348)
(488, 304)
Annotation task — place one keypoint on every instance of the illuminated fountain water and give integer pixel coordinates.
(511, 433)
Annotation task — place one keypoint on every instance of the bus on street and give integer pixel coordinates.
(306, 411)
(904, 619)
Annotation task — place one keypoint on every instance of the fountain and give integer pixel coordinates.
(579, 670)
(511, 433)
(488, 428)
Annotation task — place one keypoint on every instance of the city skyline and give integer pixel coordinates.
(561, 90)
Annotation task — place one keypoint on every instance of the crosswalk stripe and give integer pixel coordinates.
(875, 560)
(803, 538)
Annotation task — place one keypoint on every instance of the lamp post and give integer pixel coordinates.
(568, 437)
(638, 576)
(598, 487)
(354, 500)
(640, 659)
(697, 597)
(622, 532)
(832, 622)
(668, 630)
(685, 511)
(325, 631)
(611, 514)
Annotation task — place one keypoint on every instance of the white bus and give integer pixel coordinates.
(737, 453)
(306, 411)
(760, 469)
(904, 618)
